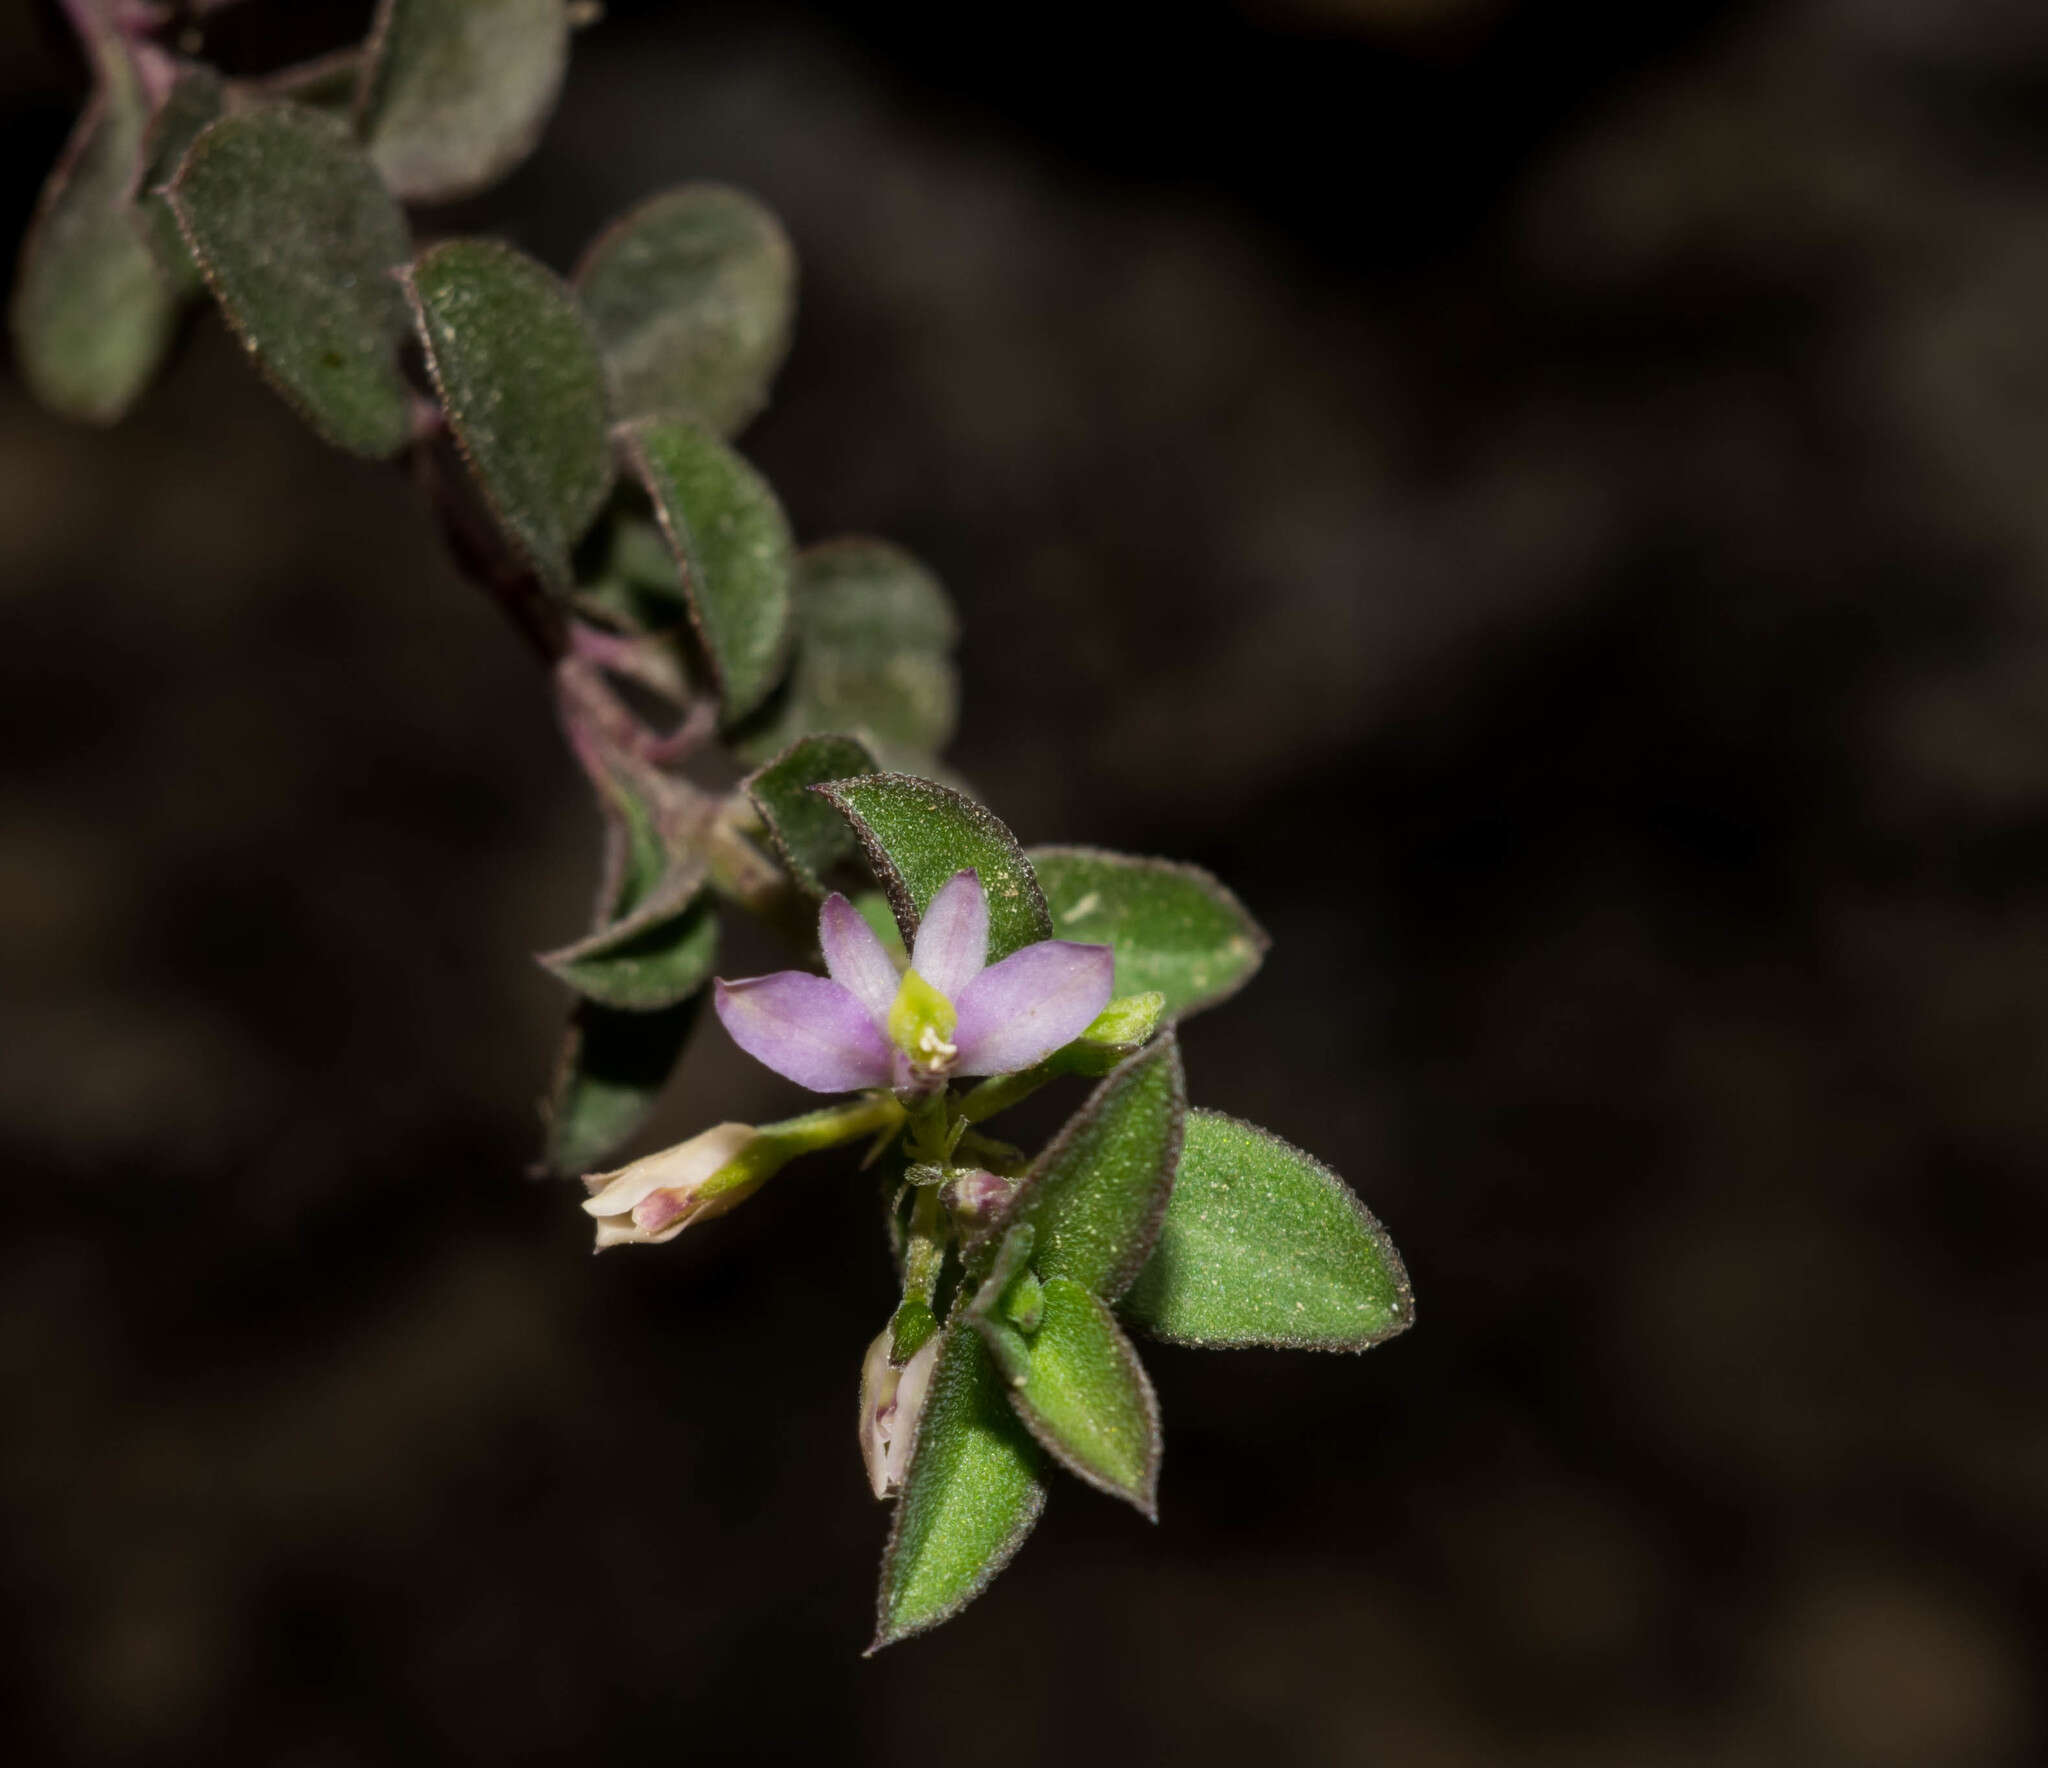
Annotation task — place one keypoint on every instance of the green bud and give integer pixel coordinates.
(1127, 1021)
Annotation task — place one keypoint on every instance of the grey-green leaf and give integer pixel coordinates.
(298, 239)
(970, 1495)
(612, 1069)
(1264, 1245)
(92, 316)
(524, 391)
(874, 648)
(807, 833)
(734, 547)
(917, 834)
(1099, 1192)
(1085, 1396)
(1174, 927)
(455, 93)
(196, 98)
(650, 959)
(692, 297)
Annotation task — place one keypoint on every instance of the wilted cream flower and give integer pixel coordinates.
(890, 1401)
(657, 1197)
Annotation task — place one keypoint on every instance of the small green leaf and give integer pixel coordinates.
(808, 834)
(1174, 927)
(691, 296)
(911, 1328)
(649, 959)
(524, 392)
(1264, 1245)
(1098, 1193)
(657, 940)
(1085, 1396)
(455, 93)
(874, 647)
(733, 545)
(92, 316)
(970, 1495)
(917, 834)
(196, 98)
(298, 239)
(612, 1069)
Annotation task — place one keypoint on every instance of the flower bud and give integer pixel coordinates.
(890, 1401)
(657, 1197)
(976, 1198)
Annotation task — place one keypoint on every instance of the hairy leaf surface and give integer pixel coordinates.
(524, 392)
(1174, 928)
(692, 295)
(970, 1495)
(1264, 1245)
(298, 239)
(917, 834)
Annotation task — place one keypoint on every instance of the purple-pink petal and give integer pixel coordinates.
(859, 962)
(808, 1029)
(1018, 1012)
(952, 939)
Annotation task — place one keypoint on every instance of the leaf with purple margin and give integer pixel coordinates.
(808, 835)
(455, 93)
(874, 637)
(1264, 1245)
(1098, 1193)
(298, 239)
(196, 98)
(524, 392)
(92, 316)
(649, 959)
(970, 1495)
(611, 1072)
(1174, 928)
(733, 546)
(692, 296)
(917, 834)
(1085, 1396)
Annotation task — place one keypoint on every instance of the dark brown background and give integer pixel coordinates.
(1547, 499)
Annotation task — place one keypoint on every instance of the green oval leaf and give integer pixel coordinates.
(874, 647)
(196, 98)
(455, 93)
(1099, 1192)
(807, 833)
(92, 316)
(611, 1071)
(917, 834)
(1175, 929)
(1264, 1245)
(1085, 1396)
(692, 295)
(970, 1495)
(733, 544)
(652, 958)
(298, 239)
(524, 391)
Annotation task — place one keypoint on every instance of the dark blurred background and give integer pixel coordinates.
(1545, 498)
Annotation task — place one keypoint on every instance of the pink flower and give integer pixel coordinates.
(952, 1012)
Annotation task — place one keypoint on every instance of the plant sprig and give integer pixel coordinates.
(574, 438)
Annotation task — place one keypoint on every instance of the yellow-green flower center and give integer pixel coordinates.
(921, 1022)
